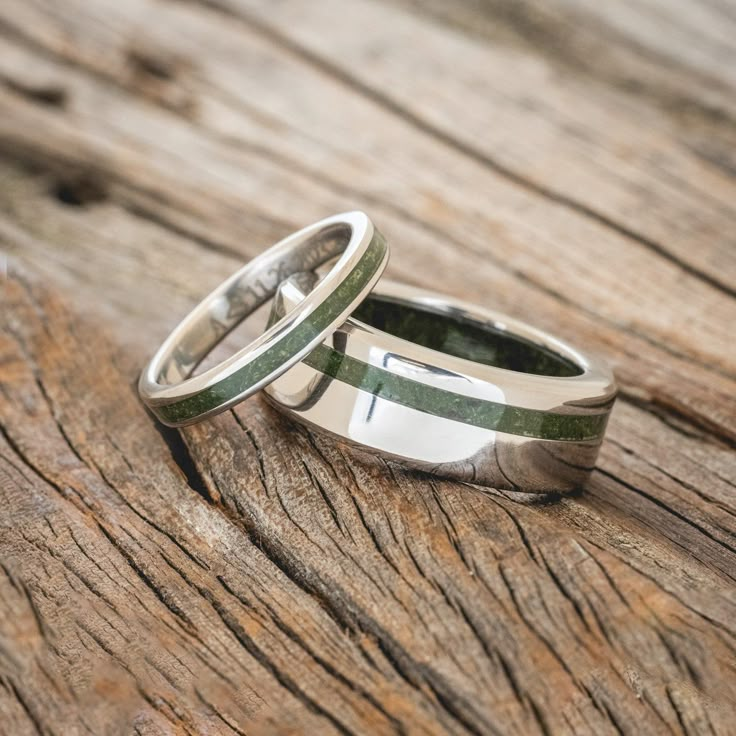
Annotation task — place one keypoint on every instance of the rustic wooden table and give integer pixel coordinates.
(570, 163)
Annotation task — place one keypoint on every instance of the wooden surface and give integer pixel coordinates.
(571, 163)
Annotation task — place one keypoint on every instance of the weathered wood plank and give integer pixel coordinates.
(249, 576)
(132, 586)
(572, 616)
(677, 55)
(609, 149)
(553, 283)
(635, 171)
(143, 305)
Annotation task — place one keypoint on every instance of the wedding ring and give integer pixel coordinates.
(451, 388)
(176, 399)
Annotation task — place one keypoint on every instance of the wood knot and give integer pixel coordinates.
(149, 64)
(51, 95)
(160, 76)
(80, 188)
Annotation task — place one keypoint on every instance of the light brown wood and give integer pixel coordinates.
(248, 576)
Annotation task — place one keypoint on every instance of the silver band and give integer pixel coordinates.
(471, 420)
(177, 400)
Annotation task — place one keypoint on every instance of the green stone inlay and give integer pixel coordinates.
(449, 405)
(461, 337)
(291, 344)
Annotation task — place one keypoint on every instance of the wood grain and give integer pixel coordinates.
(248, 576)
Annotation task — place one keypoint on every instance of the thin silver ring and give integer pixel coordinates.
(447, 414)
(177, 400)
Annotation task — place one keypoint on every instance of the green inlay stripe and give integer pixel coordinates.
(449, 405)
(291, 344)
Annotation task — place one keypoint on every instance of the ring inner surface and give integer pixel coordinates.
(462, 337)
(259, 282)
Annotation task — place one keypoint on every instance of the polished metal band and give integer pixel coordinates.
(178, 400)
(462, 418)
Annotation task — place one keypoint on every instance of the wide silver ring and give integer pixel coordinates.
(435, 408)
(177, 400)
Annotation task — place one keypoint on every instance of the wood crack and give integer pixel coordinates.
(248, 643)
(660, 504)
